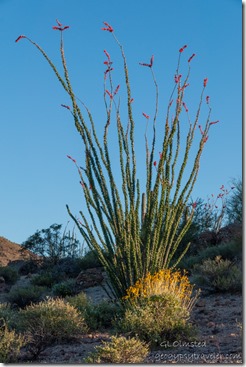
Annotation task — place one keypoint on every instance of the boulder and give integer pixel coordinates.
(89, 278)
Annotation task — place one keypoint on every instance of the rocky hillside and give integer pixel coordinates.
(10, 251)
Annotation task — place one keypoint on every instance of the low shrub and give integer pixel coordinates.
(45, 279)
(102, 315)
(24, 296)
(10, 275)
(8, 315)
(80, 302)
(69, 266)
(159, 307)
(50, 321)
(66, 288)
(219, 275)
(90, 260)
(229, 250)
(29, 267)
(97, 316)
(119, 350)
(10, 344)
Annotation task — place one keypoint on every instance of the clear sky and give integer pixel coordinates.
(36, 133)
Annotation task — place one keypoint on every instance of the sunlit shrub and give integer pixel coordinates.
(160, 307)
(10, 344)
(119, 350)
(49, 321)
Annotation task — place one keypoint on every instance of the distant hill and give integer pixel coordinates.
(10, 251)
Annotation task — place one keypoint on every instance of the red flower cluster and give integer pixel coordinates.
(182, 48)
(177, 78)
(108, 27)
(115, 92)
(19, 38)
(205, 82)
(146, 116)
(72, 159)
(185, 107)
(59, 27)
(65, 106)
(150, 64)
(189, 60)
(108, 63)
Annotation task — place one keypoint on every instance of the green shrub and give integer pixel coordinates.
(8, 315)
(63, 289)
(68, 266)
(44, 279)
(10, 344)
(161, 317)
(29, 267)
(119, 350)
(90, 260)
(50, 321)
(229, 250)
(102, 315)
(219, 274)
(97, 316)
(10, 275)
(23, 296)
(80, 302)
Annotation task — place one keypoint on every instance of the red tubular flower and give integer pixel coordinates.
(108, 27)
(150, 64)
(72, 159)
(185, 107)
(116, 90)
(151, 60)
(60, 24)
(182, 48)
(107, 71)
(146, 116)
(65, 106)
(214, 122)
(155, 163)
(107, 54)
(194, 205)
(205, 139)
(59, 28)
(177, 78)
(131, 100)
(205, 82)
(189, 60)
(110, 95)
(160, 154)
(200, 128)
(19, 38)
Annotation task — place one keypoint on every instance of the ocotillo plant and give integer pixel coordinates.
(132, 236)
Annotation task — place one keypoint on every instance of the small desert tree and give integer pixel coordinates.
(53, 244)
(134, 233)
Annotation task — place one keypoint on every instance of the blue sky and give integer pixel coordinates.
(37, 179)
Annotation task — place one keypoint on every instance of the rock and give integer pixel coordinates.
(89, 278)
